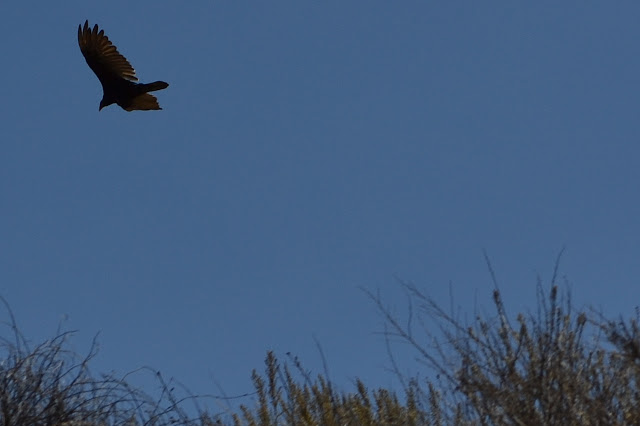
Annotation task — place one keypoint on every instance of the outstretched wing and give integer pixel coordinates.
(102, 56)
(144, 102)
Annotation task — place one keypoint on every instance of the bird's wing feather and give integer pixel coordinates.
(144, 102)
(102, 56)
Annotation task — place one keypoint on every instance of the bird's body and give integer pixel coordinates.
(117, 76)
(131, 96)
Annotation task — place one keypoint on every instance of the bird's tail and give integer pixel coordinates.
(156, 85)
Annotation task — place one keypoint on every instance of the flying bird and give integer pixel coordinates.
(116, 74)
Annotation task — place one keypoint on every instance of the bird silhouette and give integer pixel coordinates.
(117, 76)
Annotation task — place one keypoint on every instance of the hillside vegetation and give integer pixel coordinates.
(559, 366)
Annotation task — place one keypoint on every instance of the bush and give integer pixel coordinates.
(51, 385)
(284, 401)
(558, 367)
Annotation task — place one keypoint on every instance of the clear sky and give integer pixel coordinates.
(306, 149)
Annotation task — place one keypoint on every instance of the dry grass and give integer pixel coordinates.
(556, 367)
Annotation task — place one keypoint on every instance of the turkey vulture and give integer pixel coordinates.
(116, 74)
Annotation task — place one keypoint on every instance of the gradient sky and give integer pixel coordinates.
(306, 149)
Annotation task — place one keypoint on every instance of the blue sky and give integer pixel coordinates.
(306, 149)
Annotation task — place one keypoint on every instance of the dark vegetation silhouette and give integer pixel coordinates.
(557, 366)
(117, 76)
